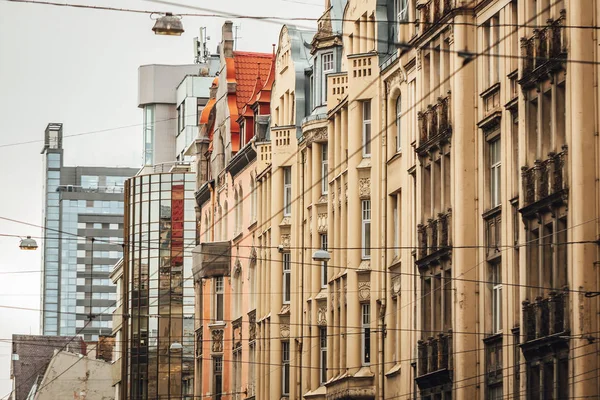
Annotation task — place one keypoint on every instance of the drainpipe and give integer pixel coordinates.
(303, 158)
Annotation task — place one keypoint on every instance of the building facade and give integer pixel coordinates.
(83, 229)
(225, 259)
(443, 152)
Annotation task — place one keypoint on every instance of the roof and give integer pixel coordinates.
(248, 67)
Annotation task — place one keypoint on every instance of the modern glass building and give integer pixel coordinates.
(83, 221)
(159, 294)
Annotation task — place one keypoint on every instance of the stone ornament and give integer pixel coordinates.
(364, 291)
(364, 188)
(217, 340)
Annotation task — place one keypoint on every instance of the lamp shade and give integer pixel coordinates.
(321, 255)
(168, 24)
(28, 244)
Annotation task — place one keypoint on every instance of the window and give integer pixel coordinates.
(491, 38)
(323, 239)
(398, 124)
(323, 354)
(494, 370)
(253, 197)
(396, 224)
(496, 286)
(89, 182)
(287, 278)
(402, 10)
(219, 289)
(287, 191)
(366, 334)
(366, 229)
(181, 117)
(328, 67)
(285, 368)
(495, 164)
(217, 377)
(324, 170)
(366, 128)
(149, 135)
(237, 212)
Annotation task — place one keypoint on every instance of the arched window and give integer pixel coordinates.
(398, 123)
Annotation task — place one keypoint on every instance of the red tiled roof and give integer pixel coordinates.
(249, 66)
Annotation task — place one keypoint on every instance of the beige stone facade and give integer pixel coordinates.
(453, 179)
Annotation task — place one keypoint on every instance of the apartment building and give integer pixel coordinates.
(83, 229)
(224, 262)
(443, 153)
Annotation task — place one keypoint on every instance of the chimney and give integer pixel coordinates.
(227, 39)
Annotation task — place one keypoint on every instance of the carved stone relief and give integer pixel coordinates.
(322, 223)
(364, 291)
(364, 188)
(217, 340)
(322, 315)
(284, 330)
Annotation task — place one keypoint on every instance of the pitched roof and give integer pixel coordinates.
(248, 67)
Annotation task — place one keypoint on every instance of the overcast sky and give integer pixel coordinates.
(79, 67)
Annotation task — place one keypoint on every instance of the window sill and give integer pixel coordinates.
(396, 156)
(395, 370)
(217, 325)
(492, 212)
(253, 224)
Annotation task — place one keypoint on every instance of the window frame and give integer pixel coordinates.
(323, 244)
(322, 354)
(367, 134)
(399, 124)
(219, 299)
(326, 59)
(285, 368)
(287, 191)
(217, 376)
(287, 278)
(495, 271)
(365, 342)
(366, 226)
(495, 170)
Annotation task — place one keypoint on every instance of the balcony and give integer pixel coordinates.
(435, 237)
(431, 12)
(545, 321)
(545, 51)
(544, 183)
(434, 123)
(211, 259)
(434, 362)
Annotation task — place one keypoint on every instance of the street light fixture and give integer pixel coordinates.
(321, 255)
(28, 244)
(168, 24)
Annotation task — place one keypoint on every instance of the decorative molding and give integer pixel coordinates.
(322, 223)
(364, 188)
(284, 330)
(364, 291)
(286, 240)
(395, 285)
(322, 315)
(217, 340)
(237, 333)
(252, 325)
(237, 268)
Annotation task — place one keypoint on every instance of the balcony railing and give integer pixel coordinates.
(547, 45)
(435, 235)
(434, 354)
(211, 259)
(545, 178)
(435, 120)
(546, 316)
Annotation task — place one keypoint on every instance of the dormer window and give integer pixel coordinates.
(328, 67)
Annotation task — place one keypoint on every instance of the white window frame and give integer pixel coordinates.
(367, 134)
(285, 368)
(365, 343)
(287, 191)
(399, 124)
(496, 283)
(366, 229)
(287, 278)
(324, 169)
(395, 224)
(322, 354)
(495, 161)
(327, 67)
(323, 239)
(219, 297)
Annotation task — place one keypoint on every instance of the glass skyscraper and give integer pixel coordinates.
(83, 230)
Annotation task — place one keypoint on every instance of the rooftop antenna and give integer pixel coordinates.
(236, 28)
(201, 53)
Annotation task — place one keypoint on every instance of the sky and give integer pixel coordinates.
(79, 67)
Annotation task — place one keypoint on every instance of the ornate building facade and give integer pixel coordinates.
(443, 153)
